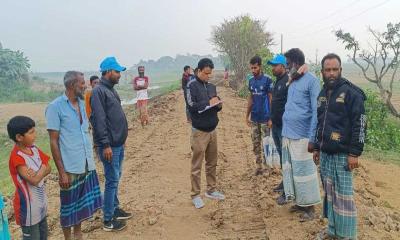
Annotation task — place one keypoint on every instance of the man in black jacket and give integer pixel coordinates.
(110, 130)
(339, 142)
(204, 105)
(279, 98)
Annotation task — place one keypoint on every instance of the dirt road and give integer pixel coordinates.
(156, 186)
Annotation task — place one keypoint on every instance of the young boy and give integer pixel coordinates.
(28, 167)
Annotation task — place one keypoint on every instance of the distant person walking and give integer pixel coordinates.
(258, 114)
(140, 85)
(186, 77)
(339, 143)
(204, 105)
(110, 131)
(72, 150)
(94, 80)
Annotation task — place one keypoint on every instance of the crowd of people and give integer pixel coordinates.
(309, 125)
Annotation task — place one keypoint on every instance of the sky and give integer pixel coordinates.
(61, 35)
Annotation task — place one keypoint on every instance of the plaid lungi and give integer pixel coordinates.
(81, 200)
(339, 206)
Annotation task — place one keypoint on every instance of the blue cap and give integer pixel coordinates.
(110, 63)
(278, 59)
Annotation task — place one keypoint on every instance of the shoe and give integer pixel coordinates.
(198, 202)
(215, 195)
(259, 171)
(282, 200)
(279, 188)
(121, 214)
(114, 225)
(296, 208)
(308, 215)
(324, 235)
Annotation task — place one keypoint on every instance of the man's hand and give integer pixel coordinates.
(63, 180)
(316, 157)
(310, 147)
(269, 123)
(214, 101)
(248, 121)
(353, 162)
(303, 69)
(107, 153)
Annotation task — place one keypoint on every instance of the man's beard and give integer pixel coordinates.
(79, 94)
(330, 82)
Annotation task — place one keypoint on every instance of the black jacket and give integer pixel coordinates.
(279, 98)
(341, 119)
(110, 127)
(198, 95)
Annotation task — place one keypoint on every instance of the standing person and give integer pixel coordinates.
(28, 167)
(279, 98)
(141, 84)
(258, 110)
(204, 105)
(94, 80)
(186, 77)
(4, 232)
(300, 179)
(226, 77)
(72, 151)
(339, 143)
(110, 131)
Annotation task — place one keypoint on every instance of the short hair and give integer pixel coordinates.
(186, 68)
(71, 77)
(92, 78)
(256, 60)
(296, 56)
(330, 56)
(205, 62)
(19, 125)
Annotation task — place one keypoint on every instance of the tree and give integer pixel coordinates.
(380, 62)
(13, 67)
(240, 39)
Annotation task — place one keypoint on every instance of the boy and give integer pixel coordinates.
(28, 166)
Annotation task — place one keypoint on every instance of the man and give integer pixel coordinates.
(71, 147)
(258, 110)
(279, 97)
(110, 130)
(300, 179)
(141, 84)
(339, 143)
(94, 80)
(204, 105)
(186, 77)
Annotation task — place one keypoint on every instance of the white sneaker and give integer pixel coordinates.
(215, 195)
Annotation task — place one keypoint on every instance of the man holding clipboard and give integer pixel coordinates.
(204, 105)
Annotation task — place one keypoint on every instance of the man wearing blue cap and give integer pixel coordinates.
(259, 109)
(110, 133)
(279, 97)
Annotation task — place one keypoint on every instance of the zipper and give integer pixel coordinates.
(323, 125)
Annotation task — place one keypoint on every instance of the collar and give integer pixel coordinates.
(198, 79)
(106, 82)
(260, 76)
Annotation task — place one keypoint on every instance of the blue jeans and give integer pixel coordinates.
(277, 136)
(112, 174)
(36, 232)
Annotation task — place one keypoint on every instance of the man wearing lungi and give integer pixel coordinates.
(72, 150)
(300, 178)
(339, 143)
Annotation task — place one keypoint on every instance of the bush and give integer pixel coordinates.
(383, 132)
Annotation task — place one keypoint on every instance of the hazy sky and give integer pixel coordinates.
(59, 35)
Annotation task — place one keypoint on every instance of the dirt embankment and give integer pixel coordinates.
(156, 186)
